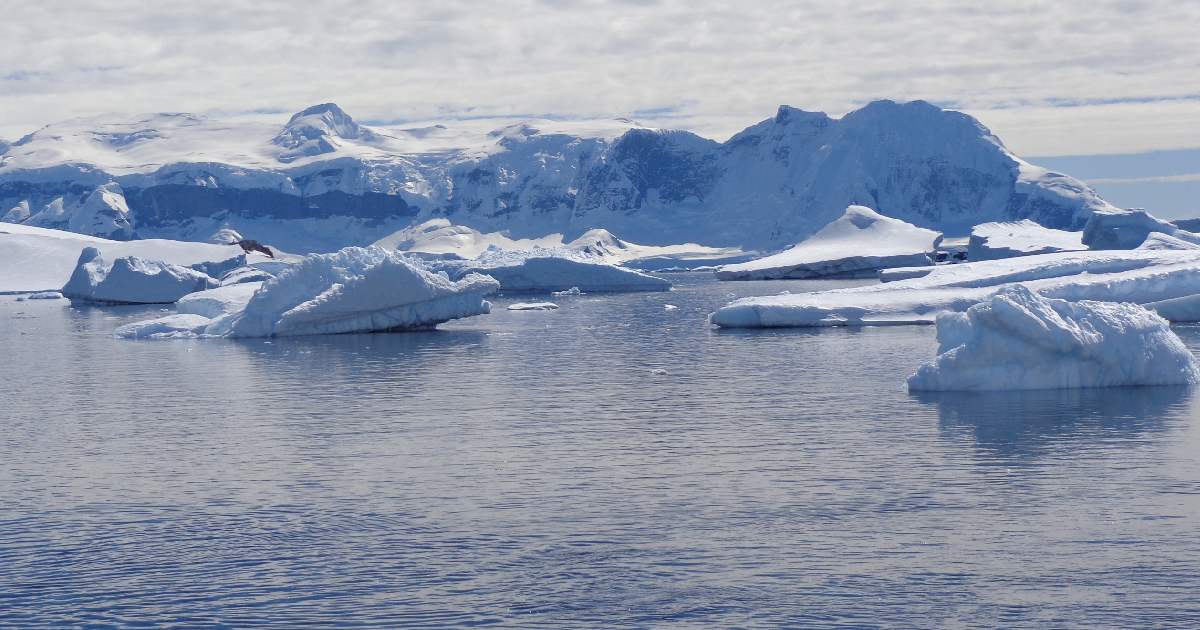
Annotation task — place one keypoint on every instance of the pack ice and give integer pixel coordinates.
(858, 243)
(1139, 276)
(353, 290)
(1018, 339)
(131, 280)
(548, 270)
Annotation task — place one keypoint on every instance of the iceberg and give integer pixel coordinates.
(992, 241)
(532, 306)
(353, 290)
(1139, 276)
(132, 280)
(551, 270)
(1160, 241)
(1018, 339)
(857, 244)
(222, 300)
(1127, 229)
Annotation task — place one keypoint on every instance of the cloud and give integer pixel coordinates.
(714, 65)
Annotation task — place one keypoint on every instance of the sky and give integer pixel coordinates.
(1065, 78)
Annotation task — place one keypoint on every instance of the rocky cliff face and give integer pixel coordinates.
(323, 180)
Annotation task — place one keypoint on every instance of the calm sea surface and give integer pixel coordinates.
(613, 464)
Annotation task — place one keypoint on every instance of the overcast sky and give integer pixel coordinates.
(1052, 78)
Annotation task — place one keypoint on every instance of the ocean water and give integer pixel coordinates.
(612, 464)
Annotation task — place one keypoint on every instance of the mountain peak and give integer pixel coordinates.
(308, 132)
(788, 114)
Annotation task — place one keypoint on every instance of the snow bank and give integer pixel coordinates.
(859, 243)
(551, 270)
(1020, 340)
(132, 280)
(1139, 276)
(216, 302)
(1127, 229)
(532, 306)
(353, 290)
(992, 241)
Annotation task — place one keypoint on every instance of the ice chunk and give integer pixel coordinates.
(169, 327)
(551, 270)
(1127, 229)
(991, 241)
(216, 269)
(132, 280)
(857, 244)
(1020, 340)
(216, 302)
(1160, 241)
(246, 274)
(355, 290)
(532, 306)
(571, 291)
(45, 295)
(1139, 276)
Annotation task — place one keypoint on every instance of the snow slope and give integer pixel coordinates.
(1139, 276)
(1018, 339)
(992, 241)
(37, 259)
(321, 180)
(858, 243)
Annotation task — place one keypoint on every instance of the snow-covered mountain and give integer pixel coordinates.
(323, 180)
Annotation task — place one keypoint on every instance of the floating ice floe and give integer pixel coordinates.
(857, 244)
(551, 270)
(1139, 276)
(992, 241)
(132, 280)
(1018, 339)
(1127, 229)
(45, 295)
(532, 306)
(353, 290)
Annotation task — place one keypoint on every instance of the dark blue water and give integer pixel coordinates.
(529, 469)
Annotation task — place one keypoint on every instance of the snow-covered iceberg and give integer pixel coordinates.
(214, 303)
(132, 280)
(1018, 339)
(992, 241)
(1160, 241)
(857, 244)
(547, 270)
(1127, 229)
(353, 290)
(1139, 276)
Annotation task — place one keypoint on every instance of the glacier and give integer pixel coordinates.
(131, 280)
(352, 290)
(1018, 339)
(321, 180)
(857, 244)
(1139, 276)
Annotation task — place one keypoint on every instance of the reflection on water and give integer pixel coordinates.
(610, 464)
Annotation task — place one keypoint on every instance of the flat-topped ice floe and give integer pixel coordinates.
(857, 244)
(532, 306)
(544, 270)
(1139, 276)
(353, 290)
(1018, 339)
(132, 280)
(992, 241)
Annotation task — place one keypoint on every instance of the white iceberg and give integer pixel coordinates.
(532, 306)
(1020, 340)
(550, 271)
(1127, 229)
(353, 290)
(132, 280)
(1139, 276)
(992, 241)
(216, 302)
(857, 244)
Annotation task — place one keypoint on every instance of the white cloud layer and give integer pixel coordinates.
(1069, 77)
